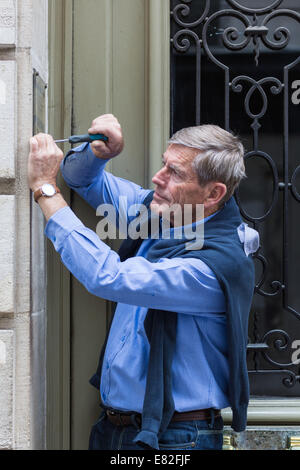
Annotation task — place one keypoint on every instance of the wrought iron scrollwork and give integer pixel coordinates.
(248, 29)
(270, 161)
(252, 31)
(288, 381)
(257, 11)
(276, 285)
(281, 343)
(184, 10)
(281, 34)
(181, 40)
(229, 36)
(256, 86)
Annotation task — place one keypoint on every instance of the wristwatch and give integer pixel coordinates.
(47, 190)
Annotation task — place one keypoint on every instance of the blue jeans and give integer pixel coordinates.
(187, 435)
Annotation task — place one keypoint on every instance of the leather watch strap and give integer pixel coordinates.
(39, 193)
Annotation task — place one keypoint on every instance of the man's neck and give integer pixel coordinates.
(197, 216)
(210, 211)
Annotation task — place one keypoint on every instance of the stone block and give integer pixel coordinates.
(7, 118)
(6, 388)
(7, 23)
(7, 234)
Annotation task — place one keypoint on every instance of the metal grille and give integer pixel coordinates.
(235, 63)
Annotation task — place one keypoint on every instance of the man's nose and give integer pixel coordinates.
(160, 177)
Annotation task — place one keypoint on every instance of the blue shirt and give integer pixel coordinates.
(187, 286)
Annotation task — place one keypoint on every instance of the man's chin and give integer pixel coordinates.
(161, 210)
(156, 208)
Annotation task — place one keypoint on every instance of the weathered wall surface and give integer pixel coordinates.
(23, 45)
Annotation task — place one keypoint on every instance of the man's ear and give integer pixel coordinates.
(217, 191)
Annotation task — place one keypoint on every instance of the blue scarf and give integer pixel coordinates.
(223, 252)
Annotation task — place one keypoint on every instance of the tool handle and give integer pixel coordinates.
(77, 139)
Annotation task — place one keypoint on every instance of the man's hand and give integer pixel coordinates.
(109, 126)
(44, 161)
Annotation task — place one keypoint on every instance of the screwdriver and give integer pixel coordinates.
(77, 139)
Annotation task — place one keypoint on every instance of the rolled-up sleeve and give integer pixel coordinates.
(183, 285)
(80, 167)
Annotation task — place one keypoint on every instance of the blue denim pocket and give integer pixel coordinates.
(192, 435)
(181, 435)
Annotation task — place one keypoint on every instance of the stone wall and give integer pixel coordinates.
(23, 46)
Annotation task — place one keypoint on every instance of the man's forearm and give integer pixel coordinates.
(50, 205)
(80, 167)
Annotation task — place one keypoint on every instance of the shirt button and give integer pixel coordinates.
(123, 338)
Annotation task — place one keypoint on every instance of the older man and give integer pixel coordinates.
(175, 354)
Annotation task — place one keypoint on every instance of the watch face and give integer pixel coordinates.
(48, 190)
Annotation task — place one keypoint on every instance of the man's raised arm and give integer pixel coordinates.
(82, 165)
(83, 168)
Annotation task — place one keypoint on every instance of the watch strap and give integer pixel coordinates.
(39, 193)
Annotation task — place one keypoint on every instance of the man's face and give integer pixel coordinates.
(176, 182)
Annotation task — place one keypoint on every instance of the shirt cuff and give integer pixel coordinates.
(60, 225)
(80, 166)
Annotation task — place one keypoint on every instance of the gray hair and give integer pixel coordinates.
(221, 158)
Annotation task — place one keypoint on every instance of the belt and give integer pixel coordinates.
(119, 418)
